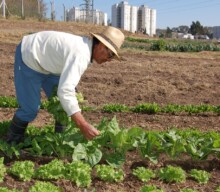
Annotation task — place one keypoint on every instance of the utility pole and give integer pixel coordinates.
(64, 13)
(3, 7)
(52, 11)
(89, 10)
(93, 11)
(38, 5)
(22, 9)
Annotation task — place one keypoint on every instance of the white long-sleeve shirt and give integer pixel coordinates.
(62, 54)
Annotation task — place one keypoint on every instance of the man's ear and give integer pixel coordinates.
(96, 49)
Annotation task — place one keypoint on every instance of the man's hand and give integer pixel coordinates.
(88, 131)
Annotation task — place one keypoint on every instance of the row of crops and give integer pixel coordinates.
(80, 174)
(171, 45)
(148, 108)
(111, 147)
(106, 154)
(114, 142)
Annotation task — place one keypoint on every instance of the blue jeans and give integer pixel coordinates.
(28, 85)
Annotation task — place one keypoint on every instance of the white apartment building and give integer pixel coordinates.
(153, 21)
(125, 20)
(134, 18)
(96, 17)
(216, 32)
(74, 14)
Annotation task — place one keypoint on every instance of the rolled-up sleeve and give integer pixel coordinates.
(73, 69)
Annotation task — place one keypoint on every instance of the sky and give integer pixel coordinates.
(170, 13)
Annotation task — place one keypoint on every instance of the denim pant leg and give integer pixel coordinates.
(28, 85)
(50, 83)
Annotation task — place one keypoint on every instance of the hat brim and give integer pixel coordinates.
(106, 43)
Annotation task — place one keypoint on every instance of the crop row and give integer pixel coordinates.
(80, 174)
(111, 146)
(148, 108)
(174, 41)
(113, 143)
(172, 46)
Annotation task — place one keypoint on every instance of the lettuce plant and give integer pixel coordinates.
(172, 174)
(79, 173)
(2, 169)
(143, 174)
(4, 189)
(53, 170)
(108, 173)
(24, 170)
(44, 187)
(150, 188)
(200, 175)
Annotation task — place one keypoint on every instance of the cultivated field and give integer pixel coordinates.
(140, 77)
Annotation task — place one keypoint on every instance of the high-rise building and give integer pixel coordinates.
(134, 18)
(95, 16)
(216, 32)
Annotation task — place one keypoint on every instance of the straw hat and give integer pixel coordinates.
(111, 38)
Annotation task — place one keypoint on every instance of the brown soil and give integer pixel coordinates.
(160, 77)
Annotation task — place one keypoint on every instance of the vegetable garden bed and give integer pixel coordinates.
(139, 91)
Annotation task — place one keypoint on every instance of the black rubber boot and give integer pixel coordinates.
(59, 128)
(16, 131)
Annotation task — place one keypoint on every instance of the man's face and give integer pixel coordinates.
(102, 54)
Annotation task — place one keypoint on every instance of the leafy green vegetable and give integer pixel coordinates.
(172, 174)
(2, 169)
(200, 175)
(110, 108)
(55, 108)
(80, 98)
(115, 158)
(143, 174)
(149, 145)
(199, 145)
(109, 173)
(9, 150)
(33, 131)
(53, 170)
(79, 172)
(4, 127)
(173, 143)
(44, 187)
(149, 108)
(4, 189)
(8, 102)
(150, 188)
(24, 170)
(88, 152)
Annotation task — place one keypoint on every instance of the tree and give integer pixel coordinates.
(31, 8)
(196, 28)
(168, 33)
(183, 29)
